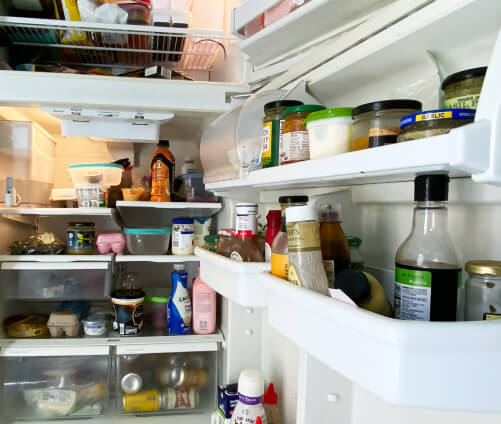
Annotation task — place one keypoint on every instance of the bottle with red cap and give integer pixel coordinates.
(272, 229)
(270, 403)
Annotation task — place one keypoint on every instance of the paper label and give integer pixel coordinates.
(303, 236)
(280, 265)
(412, 294)
(182, 240)
(490, 317)
(267, 133)
(293, 276)
(179, 308)
(295, 145)
(246, 225)
(340, 295)
(330, 268)
(463, 102)
(434, 115)
(236, 256)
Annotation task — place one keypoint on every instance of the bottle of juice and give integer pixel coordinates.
(162, 173)
(204, 307)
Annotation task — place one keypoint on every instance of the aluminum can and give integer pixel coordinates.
(148, 401)
(180, 399)
(131, 383)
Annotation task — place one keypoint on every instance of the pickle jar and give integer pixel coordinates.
(483, 290)
(378, 123)
(462, 89)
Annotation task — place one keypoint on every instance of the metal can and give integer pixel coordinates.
(183, 377)
(131, 383)
(148, 401)
(180, 399)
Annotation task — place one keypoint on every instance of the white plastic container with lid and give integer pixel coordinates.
(183, 235)
(250, 398)
(329, 132)
(147, 241)
(105, 174)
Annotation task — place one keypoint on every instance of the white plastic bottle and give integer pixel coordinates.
(250, 398)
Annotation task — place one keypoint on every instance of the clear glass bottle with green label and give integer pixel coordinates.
(428, 264)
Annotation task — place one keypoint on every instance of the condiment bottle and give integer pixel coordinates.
(427, 264)
(225, 242)
(306, 268)
(335, 248)
(250, 398)
(272, 229)
(271, 408)
(356, 259)
(162, 173)
(179, 310)
(204, 307)
(279, 248)
(245, 246)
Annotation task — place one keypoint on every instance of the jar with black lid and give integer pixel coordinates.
(378, 123)
(462, 89)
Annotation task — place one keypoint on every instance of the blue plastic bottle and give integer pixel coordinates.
(179, 310)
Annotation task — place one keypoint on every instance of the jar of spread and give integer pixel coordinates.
(462, 89)
(483, 291)
(294, 143)
(183, 236)
(433, 122)
(80, 238)
(378, 123)
(272, 130)
(225, 241)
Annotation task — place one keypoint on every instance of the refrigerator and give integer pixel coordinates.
(64, 101)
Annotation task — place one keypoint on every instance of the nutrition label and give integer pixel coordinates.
(412, 294)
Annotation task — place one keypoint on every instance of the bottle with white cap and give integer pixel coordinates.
(250, 398)
(306, 268)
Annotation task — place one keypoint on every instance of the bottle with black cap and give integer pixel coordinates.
(427, 264)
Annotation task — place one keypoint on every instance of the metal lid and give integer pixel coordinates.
(127, 294)
(281, 103)
(82, 224)
(293, 199)
(388, 104)
(484, 267)
(131, 383)
(462, 75)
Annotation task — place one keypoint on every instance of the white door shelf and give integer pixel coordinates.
(156, 258)
(56, 258)
(463, 151)
(57, 211)
(238, 281)
(137, 214)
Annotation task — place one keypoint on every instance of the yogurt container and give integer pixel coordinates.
(95, 324)
(128, 311)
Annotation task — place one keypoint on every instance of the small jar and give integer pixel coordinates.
(211, 243)
(201, 227)
(462, 89)
(356, 259)
(225, 242)
(81, 237)
(272, 130)
(294, 143)
(483, 290)
(433, 122)
(182, 236)
(378, 123)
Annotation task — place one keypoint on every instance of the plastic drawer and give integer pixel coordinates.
(166, 383)
(55, 281)
(49, 387)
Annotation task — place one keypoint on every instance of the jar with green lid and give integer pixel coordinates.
(80, 238)
(211, 242)
(294, 143)
(433, 122)
(378, 123)
(462, 89)
(356, 259)
(483, 290)
(272, 130)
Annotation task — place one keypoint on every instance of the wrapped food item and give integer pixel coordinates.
(38, 244)
(26, 326)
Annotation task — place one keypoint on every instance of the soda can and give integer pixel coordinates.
(131, 383)
(148, 401)
(180, 399)
(183, 377)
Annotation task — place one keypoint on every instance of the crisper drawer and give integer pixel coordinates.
(55, 386)
(166, 383)
(56, 281)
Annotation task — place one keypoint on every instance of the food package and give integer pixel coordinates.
(63, 324)
(26, 326)
(110, 242)
(72, 13)
(39, 244)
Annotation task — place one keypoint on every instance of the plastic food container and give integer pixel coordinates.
(329, 132)
(147, 241)
(132, 194)
(128, 306)
(91, 195)
(110, 242)
(378, 123)
(183, 234)
(63, 324)
(104, 174)
(194, 189)
(433, 122)
(155, 308)
(462, 89)
(95, 324)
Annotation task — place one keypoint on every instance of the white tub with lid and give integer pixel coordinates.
(104, 174)
(329, 132)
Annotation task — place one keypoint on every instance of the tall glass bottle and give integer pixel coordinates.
(427, 264)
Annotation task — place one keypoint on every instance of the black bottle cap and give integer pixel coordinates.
(431, 188)
(354, 283)
(293, 199)
(164, 143)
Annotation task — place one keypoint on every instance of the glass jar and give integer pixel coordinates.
(462, 89)
(433, 122)
(272, 130)
(211, 243)
(81, 237)
(356, 259)
(378, 123)
(483, 290)
(294, 143)
(225, 241)
(182, 236)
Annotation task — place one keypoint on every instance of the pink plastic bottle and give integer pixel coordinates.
(204, 307)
